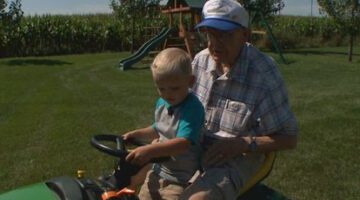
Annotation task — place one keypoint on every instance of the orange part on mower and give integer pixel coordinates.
(110, 194)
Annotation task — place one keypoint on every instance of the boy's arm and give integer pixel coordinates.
(146, 134)
(144, 154)
(170, 147)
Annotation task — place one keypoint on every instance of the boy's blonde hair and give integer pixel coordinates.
(171, 61)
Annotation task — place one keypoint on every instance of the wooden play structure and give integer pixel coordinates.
(183, 15)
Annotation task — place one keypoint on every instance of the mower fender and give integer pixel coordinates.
(39, 191)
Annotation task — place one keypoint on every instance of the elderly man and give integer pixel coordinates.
(246, 104)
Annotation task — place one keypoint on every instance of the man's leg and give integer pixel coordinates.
(214, 183)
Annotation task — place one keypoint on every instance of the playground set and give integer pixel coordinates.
(183, 15)
(179, 32)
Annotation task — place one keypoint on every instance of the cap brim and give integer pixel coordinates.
(220, 24)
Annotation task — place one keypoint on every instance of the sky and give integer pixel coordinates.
(32, 7)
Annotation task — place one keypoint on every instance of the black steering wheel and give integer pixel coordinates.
(97, 141)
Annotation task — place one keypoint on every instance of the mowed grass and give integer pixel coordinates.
(51, 106)
(325, 95)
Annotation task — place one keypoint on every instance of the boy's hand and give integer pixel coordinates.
(139, 156)
(129, 135)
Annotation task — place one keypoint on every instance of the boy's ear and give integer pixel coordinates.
(191, 81)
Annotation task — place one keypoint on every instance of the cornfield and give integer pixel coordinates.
(74, 34)
(61, 34)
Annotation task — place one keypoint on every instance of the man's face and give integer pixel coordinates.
(225, 46)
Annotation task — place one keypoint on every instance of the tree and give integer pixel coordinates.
(262, 9)
(3, 5)
(9, 20)
(346, 14)
(132, 12)
(14, 14)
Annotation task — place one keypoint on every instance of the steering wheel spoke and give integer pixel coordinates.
(98, 141)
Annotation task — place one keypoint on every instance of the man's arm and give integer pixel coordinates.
(229, 148)
(274, 143)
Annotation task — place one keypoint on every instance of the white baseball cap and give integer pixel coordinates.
(225, 15)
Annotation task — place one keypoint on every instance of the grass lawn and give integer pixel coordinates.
(51, 106)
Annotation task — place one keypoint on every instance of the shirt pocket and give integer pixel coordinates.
(212, 119)
(235, 117)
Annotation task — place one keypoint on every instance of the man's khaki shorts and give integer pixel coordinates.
(217, 183)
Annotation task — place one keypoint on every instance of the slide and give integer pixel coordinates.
(144, 49)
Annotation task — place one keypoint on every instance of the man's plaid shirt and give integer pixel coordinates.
(250, 99)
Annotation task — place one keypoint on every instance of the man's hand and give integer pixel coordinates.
(226, 149)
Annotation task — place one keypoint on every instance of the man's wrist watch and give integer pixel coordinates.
(253, 145)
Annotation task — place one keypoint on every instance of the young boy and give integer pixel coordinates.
(179, 118)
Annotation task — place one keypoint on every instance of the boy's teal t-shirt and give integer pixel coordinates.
(190, 115)
(184, 120)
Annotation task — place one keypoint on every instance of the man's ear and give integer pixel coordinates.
(247, 34)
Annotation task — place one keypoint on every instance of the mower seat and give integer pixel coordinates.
(261, 174)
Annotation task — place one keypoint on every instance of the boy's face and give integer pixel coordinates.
(174, 89)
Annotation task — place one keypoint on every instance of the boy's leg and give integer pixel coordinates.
(156, 188)
(171, 191)
(147, 191)
(139, 178)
